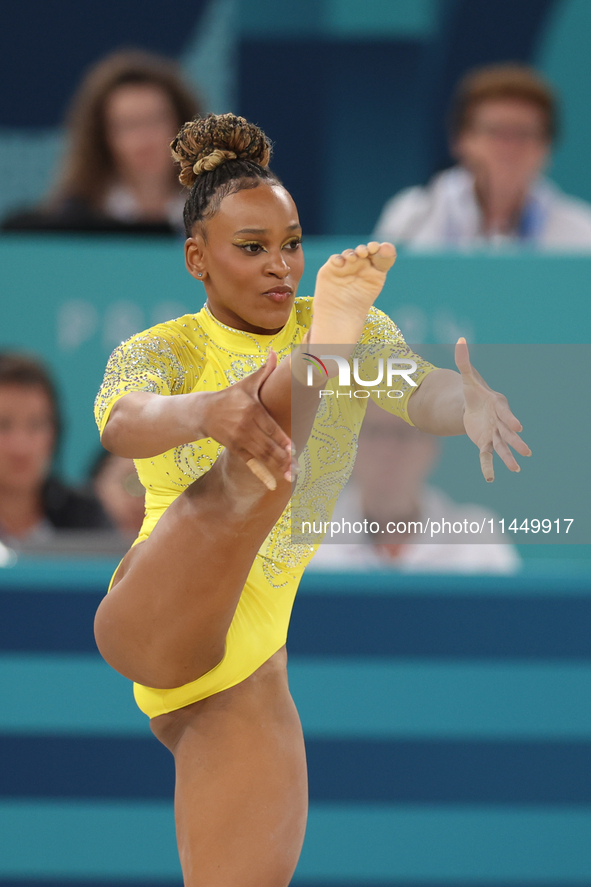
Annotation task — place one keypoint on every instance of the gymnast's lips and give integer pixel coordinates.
(279, 293)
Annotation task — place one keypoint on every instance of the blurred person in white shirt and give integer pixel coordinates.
(503, 123)
(388, 487)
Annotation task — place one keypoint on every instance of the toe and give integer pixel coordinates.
(362, 251)
(338, 259)
(385, 257)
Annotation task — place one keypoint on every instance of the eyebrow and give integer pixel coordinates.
(265, 230)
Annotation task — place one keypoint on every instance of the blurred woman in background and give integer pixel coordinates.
(117, 173)
(34, 503)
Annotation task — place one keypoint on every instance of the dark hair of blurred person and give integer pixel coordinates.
(33, 501)
(517, 83)
(117, 172)
(115, 482)
(502, 124)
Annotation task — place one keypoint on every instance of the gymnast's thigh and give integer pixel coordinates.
(241, 785)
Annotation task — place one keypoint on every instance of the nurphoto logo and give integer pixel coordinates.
(393, 367)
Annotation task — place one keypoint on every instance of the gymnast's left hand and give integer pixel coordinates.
(488, 421)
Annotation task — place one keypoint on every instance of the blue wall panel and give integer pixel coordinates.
(430, 763)
(46, 47)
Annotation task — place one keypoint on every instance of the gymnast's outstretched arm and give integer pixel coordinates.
(447, 403)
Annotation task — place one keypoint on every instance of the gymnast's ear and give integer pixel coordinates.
(194, 256)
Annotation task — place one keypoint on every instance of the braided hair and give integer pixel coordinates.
(219, 155)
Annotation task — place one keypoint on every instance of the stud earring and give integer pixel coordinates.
(200, 274)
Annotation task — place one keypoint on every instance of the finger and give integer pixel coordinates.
(254, 380)
(486, 462)
(267, 368)
(279, 460)
(504, 413)
(462, 357)
(267, 435)
(268, 451)
(269, 427)
(262, 472)
(266, 476)
(252, 451)
(513, 439)
(507, 417)
(503, 451)
(294, 469)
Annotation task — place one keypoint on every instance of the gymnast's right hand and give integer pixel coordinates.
(143, 425)
(236, 418)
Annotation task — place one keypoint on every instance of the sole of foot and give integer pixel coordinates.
(347, 285)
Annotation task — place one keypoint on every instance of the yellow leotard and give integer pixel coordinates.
(198, 353)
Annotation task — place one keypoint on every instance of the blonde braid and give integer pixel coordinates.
(219, 155)
(205, 143)
(210, 161)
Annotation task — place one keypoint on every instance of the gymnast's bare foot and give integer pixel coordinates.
(347, 285)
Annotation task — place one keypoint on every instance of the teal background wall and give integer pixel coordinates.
(72, 300)
(563, 55)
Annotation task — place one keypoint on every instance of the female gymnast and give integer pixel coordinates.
(198, 611)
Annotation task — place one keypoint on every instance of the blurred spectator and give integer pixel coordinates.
(118, 174)
(502, 124)
(388, 484)
(118, 488)
(34, 503)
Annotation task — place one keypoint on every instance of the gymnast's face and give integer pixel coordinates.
(250, 259)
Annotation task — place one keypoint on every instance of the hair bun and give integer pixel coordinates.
(205, 143)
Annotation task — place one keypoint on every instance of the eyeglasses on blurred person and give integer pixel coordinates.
(502, 126)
